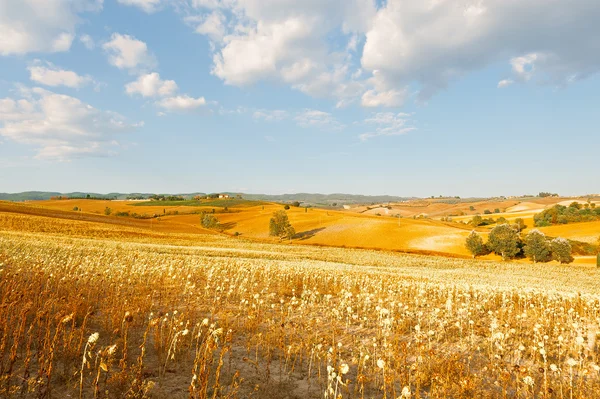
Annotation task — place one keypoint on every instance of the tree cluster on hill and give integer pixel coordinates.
(162, 197)
(560, 214)
(545, 194)
(478, 221)
(504, 240)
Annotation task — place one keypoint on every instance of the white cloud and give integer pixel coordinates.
(435, 42)
(60, 127)
(87, 41)
(62, 42)
(127, 52)
(270, 115)
(316, 46)
(389, 98)
(148, 6)
(181, 103)
(285, 41)
(505, 83)
(211, 25)
(311, 118)
(524, 66)
(50, 75)
(387, 124)
(150, 85)
(40, 25)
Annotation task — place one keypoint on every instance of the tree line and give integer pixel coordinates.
(560, 214)
(505, 240)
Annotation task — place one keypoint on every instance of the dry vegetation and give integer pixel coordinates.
(108, 311)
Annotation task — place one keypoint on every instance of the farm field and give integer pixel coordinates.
(106, 310)
(353, 228)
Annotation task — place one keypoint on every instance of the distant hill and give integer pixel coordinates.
(306, 198)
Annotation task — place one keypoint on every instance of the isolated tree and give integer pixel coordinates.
(296, 204)
(561, 250)
(279, 226)
(475, 244)
(504, 241)
(209, 221)
(537, 247)
(107, 211)
(471, 208)
(286, 207)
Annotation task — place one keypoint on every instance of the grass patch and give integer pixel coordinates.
(233, 202)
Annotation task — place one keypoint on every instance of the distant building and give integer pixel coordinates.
(223, 196)
(347, 207)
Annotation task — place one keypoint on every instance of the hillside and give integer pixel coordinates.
(375, 228)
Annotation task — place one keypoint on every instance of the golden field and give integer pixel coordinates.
(358, 227)
(109, 307)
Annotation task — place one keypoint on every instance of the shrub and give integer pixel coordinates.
(286, 207)
(107, 211)
(487, 212)
(75, 208)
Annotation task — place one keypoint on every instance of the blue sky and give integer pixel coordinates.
(400, 97)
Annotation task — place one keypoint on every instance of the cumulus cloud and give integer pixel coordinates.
(60, 127)
(433, 43)
(285, 41)
(50, 75)
(127, 52)
(387, 124)
(505, 83)
(41, 25)
(316, 46)
(151, 85)
(183, 103)
(148, 6)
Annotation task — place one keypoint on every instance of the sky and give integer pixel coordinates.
(398, 97)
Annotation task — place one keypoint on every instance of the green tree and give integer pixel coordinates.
(504, 241)
(520, 224)
(561, 250)
(475, 244)
(296, 204)
(477, 220)
(537, 247)
(279, 226)
(471, 208)
(286, 207)
(209, 221)
(107, 211)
